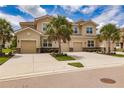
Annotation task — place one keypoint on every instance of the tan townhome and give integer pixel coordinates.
(120, 44)
(31, 38)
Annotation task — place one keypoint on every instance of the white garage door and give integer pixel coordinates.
(28, 46)
(77, 46)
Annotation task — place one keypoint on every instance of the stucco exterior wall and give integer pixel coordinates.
(84, 29)
(76, 39)
(40, 22)
(28, 35)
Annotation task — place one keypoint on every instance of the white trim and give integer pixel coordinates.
(18, 31)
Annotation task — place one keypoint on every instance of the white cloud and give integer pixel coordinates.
(54, 15)
(108, 14)
(69, 19)
(33, 10)
(14, 20)
(122, 26)
(111, 14)
(72, 9)
(89, 9)
(3, 5)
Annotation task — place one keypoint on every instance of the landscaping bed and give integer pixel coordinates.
(118, 55)
(62, 57)
(4, 59)
(5, 54)
(76, 64)
(114, 55)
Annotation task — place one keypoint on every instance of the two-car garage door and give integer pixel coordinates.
(28, 46)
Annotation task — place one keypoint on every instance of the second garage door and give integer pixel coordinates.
(28, 46)
(77, 46)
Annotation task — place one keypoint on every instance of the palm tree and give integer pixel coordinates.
(6, 31)
(99, 38)
(110, 33)
(59, 29)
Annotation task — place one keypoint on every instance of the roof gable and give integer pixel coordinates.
(90, 21)
(21, 30)
(43, 17)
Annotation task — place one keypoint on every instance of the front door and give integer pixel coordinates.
(121, 45)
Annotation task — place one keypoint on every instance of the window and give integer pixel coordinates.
(89, 30)
(44, 43)
(47, 43)
(90, 43)
(44, 26)
(75, 29)
(117, 44)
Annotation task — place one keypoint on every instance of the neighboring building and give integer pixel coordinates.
(31, 38)
(121, 43)
(117, 45)
(104, 46)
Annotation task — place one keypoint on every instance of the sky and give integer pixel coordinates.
(101, 14)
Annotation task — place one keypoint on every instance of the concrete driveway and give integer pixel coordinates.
(94, 60)
(23, 64)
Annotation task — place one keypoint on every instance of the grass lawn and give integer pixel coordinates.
(64, 58)
(76, 64)
(118, 55)
(4, 59)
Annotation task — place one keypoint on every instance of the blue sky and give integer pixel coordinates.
(101, 14)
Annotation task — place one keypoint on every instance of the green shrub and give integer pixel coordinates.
(57, 55)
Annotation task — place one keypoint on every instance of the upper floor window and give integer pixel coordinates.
(90, 43)
(46, 43)
(44, 26)
(75, 29)
(89, 30)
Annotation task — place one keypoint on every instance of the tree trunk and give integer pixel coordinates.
(59, 42)
(3, 43)
(109, 46)
(114, 48)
